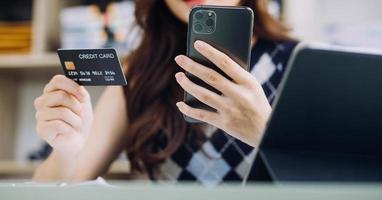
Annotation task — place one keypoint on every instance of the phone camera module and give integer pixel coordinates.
(210, 22)
(199, 15)
(198, 28)
(204, 22)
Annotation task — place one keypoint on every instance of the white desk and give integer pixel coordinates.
(140, 191)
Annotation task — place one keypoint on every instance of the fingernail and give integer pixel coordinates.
(199, 45)
(179, 104)
(79, 94)
(179, 76)
(179, 59)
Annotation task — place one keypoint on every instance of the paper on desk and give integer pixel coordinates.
(97, 182)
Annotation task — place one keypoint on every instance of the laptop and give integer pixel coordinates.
(326, 124)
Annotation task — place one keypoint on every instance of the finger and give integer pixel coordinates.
(198, 114)
(60, 82)
(206, 74)
(51, 129)
(222, 61)
(60, 113)
(202, 94)
(59, 98)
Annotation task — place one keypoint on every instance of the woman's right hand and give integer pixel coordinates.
(64, 116)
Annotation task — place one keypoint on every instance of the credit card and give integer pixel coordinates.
(92, 66)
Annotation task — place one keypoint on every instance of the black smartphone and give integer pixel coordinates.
(229, 29)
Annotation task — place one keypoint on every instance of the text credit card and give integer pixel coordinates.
(92, 66)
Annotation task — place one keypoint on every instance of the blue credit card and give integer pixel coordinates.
(92, 66)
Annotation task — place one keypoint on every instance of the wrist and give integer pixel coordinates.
(259, 126)
(57, 167)
(62, 158)
(65, 163)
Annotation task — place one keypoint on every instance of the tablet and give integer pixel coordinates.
(327, 120)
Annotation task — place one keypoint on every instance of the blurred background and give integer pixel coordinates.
(31, 31)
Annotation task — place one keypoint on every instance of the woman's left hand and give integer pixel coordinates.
(242, 109)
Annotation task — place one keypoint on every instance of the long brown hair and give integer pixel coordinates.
(153, 91)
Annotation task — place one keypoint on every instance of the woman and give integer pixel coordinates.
(144, 119)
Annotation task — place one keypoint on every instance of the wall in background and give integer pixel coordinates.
(316, 20)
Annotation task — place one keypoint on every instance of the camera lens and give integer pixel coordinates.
(198, 15)
(198, 27)
(210, 22)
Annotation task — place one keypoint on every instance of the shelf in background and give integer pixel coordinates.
(24, 61)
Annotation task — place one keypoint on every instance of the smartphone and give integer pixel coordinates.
(229, 29)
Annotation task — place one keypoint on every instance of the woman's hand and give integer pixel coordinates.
(64, 115)
(242, 109)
